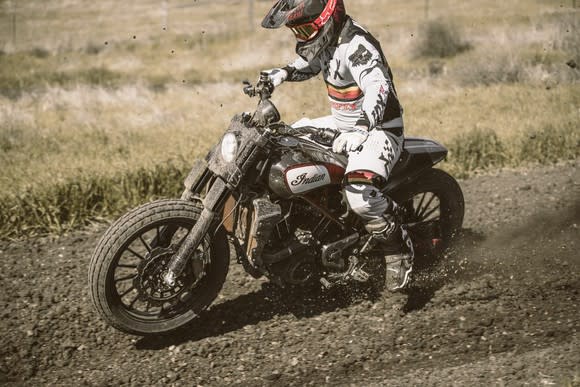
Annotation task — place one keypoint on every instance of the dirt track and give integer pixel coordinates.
(502, 309)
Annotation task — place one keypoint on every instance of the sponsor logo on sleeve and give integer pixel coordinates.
(361, 56)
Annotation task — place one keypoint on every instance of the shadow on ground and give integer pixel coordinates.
(252, 308)
(271, 301)
(469, 258)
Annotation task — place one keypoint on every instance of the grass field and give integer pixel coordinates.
(104, 104)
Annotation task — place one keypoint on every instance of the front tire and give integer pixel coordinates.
(127, 267)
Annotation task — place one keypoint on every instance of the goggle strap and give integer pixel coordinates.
(326, 13)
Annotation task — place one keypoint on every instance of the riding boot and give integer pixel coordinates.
(397, 246)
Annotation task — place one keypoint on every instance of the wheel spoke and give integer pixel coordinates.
(420, 205)
(133, 302)
(415, 225)
(125, 266)
(429, 213)
(145, 243)
(135, 253)
(127, 292)
(128, 277)
(422, 210)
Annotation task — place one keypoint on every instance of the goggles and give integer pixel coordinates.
(305, 32)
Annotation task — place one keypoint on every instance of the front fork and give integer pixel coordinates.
(211, 203)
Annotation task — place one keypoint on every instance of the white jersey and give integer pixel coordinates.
(359, 81)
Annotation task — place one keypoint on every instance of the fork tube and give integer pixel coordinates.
(197, 233)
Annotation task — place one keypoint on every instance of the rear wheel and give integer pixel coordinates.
(127, 268)
(433, 209)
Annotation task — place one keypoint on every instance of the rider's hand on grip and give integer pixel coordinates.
(277, 76)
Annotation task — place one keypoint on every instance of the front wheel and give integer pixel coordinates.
(433, 210)
(127, 269)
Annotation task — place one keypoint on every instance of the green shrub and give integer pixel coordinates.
(158, 84)
(478, 149)
(11, 138)
(75, 203)
(484, 150)
(194, 77)
(440, 39)
(93, 49)
(13, 86)
(40, 53)
(502, 67)
(98, 76)
(550, 144)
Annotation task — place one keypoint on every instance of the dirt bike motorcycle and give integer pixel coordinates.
(273, 194)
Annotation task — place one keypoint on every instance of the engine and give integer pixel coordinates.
(286, 237)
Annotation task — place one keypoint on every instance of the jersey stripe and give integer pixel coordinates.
(344, 94)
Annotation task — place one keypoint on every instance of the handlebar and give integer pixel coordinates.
(324, 136)
(264, 88)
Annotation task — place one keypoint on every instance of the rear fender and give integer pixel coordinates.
(419, 154)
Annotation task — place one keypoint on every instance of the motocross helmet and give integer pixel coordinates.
(315, 23)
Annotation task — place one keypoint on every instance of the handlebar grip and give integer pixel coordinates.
(323, 136)
(328, 134)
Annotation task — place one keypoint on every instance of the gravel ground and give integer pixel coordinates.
(502, 309)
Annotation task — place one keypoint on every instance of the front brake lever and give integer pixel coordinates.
(249, 90)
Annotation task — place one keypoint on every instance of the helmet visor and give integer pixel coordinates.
(298, 12)
(278, 15)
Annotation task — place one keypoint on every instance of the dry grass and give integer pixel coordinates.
(100, 95)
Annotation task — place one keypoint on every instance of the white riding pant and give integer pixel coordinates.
(378, 154)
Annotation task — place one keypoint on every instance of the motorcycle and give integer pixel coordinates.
(273, 194)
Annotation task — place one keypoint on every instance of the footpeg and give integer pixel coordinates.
(354, 272)
(326, 283)
(358, 274)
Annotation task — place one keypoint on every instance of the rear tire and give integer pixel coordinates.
(126, 267)
(433, 212)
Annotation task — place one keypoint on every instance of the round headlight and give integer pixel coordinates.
(229, 147)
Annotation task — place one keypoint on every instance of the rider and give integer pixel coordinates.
(364, 106)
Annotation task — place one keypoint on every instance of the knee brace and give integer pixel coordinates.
(363, 195)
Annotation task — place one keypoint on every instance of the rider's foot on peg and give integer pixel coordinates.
(399, 267)
(398, 249)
